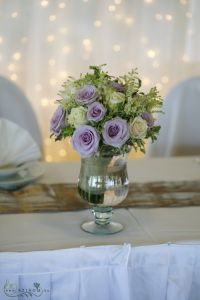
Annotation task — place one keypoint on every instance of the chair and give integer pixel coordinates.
(180, 123)
(15, 107)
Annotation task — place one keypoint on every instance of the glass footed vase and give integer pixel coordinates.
(103, 183)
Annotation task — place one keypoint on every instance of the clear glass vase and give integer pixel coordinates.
(103, 183)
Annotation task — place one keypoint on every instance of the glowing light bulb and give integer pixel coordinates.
(13, 77)
(14, 14)
(164, 79)
(116, 48)
(146, 81)
(1, 40)
(44, 102)
(97, 23)
(151, 53)
(87, 43)
(168, 17)
(117, 2)
(17, 56)
(50, 38)
(62, 5)
(63, 74)
(158, 16)
(11, 67)
(129, 21)
(111, 8)
(148, 1)
(44, 3)
(52, 18)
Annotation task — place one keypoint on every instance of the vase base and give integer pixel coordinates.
(92, 227)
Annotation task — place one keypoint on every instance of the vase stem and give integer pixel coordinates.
(102, 215)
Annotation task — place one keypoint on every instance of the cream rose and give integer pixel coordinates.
(77, 116)
(138, 128)
(116, 98)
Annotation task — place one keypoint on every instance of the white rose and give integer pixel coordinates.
(77, 116)
(116, 98)
(138, 128)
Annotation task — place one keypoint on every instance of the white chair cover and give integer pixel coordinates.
(160, 272)
(15, 107)
(180, 123)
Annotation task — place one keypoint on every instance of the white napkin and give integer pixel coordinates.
(16, 144)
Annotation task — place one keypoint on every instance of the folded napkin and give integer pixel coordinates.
(16, 144)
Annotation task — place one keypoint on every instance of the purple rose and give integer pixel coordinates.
(96, 112)
(119, 87)
(85, 141)
(115, 132)
(86, 95)
(58, 120)
(148, 118)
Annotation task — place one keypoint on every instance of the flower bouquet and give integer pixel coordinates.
(106, 117)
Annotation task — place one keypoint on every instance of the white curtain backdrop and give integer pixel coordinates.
(43, 41)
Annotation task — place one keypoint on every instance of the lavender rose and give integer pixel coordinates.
(115, 132)
(119, 87)
(96, 112)
(58, 121)
(148, 118)
(86, 95)
(85, 140)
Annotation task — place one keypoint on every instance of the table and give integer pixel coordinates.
(45, 231)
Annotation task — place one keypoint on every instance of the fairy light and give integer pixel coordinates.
(62, 5)
(148, 1)
(52, 81)
(129, 21)
(117, 2)
(52, 18)
(66, 49)
(17, 56)
(63, 74)
(164, 79)
(11, 67)
(151, 53)
(158, 17)
(116, 48)
(85, 1)
(13, 77)
(1, 40)
(50, 38)
(14, 14)
(168, 17)
(97, 23)
(87, 43)
(146, 81)
(44, 102)
(51, 62)
(44, 3)
(63, 30)
(111, 8)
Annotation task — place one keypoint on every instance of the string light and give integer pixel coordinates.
(158, 17)
(168, 17)
(50, 38)
(129, 21)
(44, 102)
(87, 43)
(11, 67)
(151, 53)
(62, 5)
(66, 49)
(14, 14)
(116, 48)
(13, 77)
(117, 2)
(63, 30)
(52, 18)
(148, 1)
(111, 8)
(17, 56)
(48, 158)
(44, 3)
(1, 40)
(146, 81)
(62, 152)
(97, 23)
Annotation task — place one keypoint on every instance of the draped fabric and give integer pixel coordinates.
(44, 41)
(161, 272)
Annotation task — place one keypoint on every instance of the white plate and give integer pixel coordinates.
(11, 171)
(30, 172)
